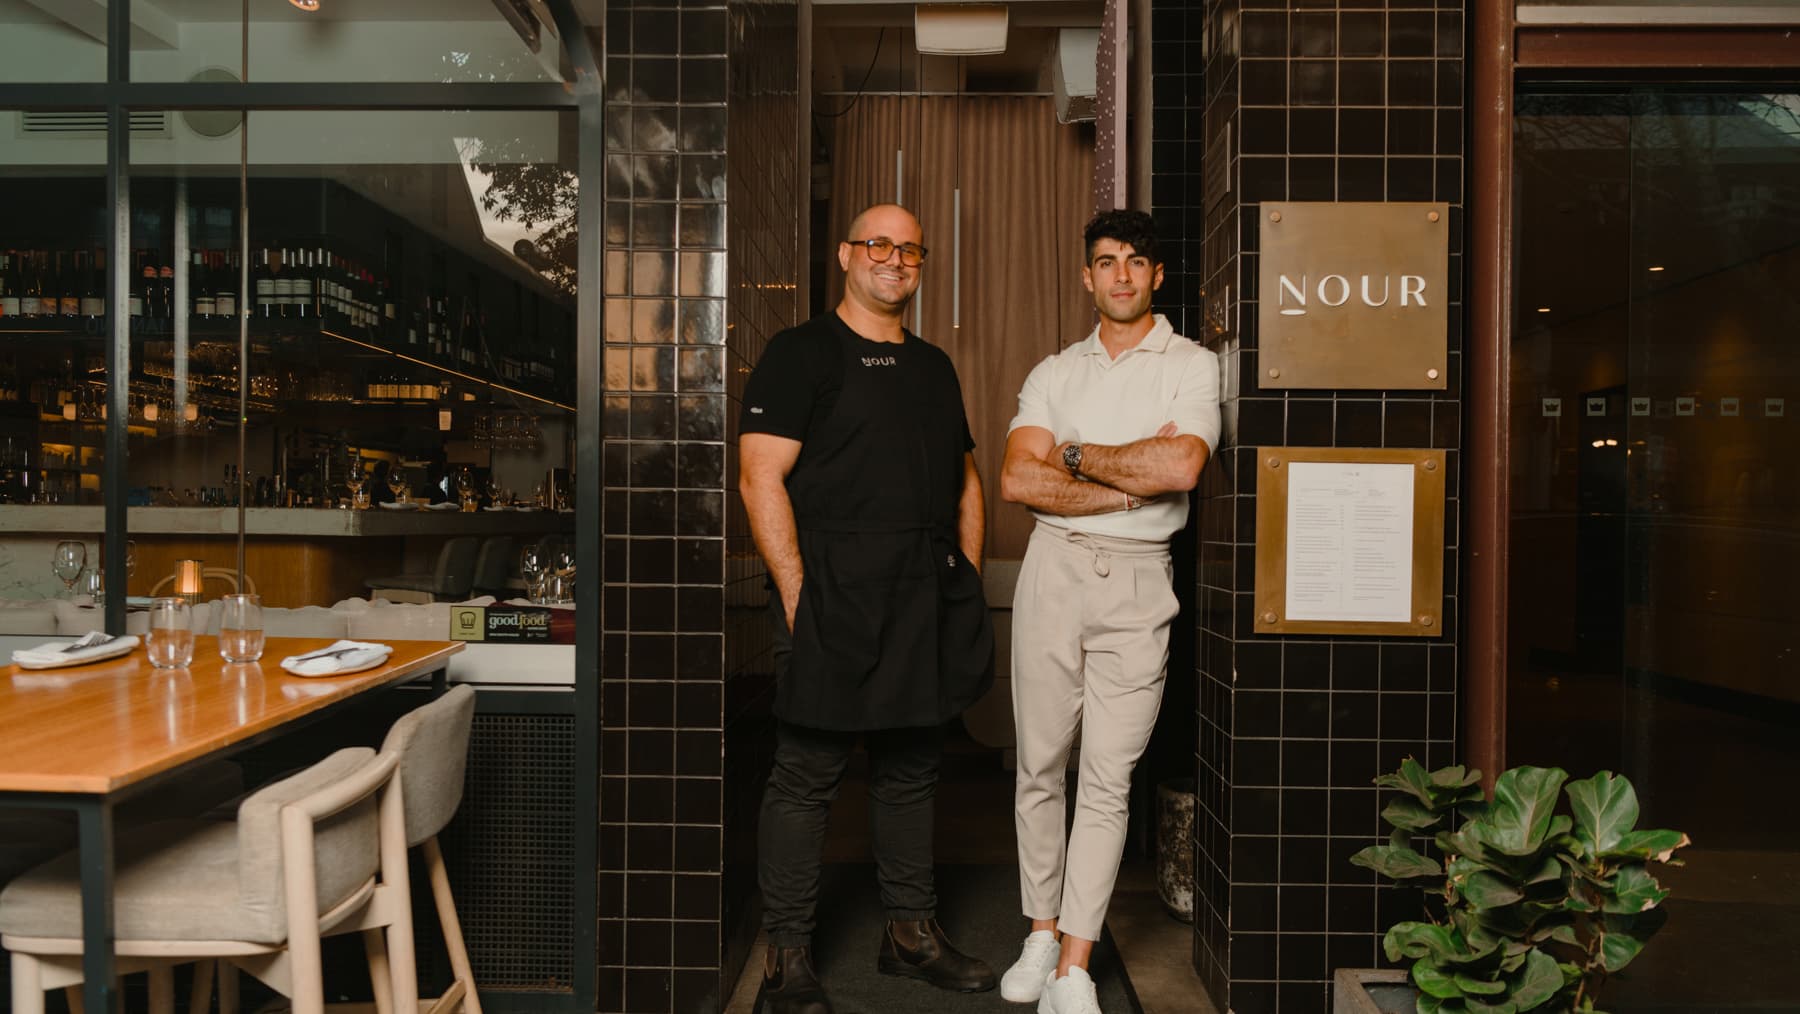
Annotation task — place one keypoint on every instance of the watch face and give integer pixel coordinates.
(1072, 457)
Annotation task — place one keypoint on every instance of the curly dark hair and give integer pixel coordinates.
(1130, 228)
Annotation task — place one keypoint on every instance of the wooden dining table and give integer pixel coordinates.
(84, 738)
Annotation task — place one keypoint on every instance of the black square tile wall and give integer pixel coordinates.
(699, 270)
(1327, 100)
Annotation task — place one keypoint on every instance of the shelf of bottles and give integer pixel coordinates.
(363, 328)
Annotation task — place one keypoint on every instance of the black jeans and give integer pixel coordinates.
(809, 764)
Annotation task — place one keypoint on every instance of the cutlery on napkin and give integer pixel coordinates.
(98, 644)
(340, 656)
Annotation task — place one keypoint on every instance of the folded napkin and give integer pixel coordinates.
(338, 657)
(92, 646)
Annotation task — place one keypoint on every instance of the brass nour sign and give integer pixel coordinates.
(1353, 296)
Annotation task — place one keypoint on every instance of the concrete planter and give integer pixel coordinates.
(1373, 991)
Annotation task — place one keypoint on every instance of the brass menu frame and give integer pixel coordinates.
(1427, 540)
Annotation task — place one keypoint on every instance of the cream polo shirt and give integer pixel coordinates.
(1083, 394)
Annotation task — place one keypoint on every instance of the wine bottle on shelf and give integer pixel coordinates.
(283, 268)
(9, 286)
(200, 281)
(152, 291)
(225, 287)
(30, 304)
(68, 284)
(135, 304)
(93, 292)
(165, 289)
(264, 280)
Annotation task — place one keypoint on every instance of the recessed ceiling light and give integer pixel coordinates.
(306, 5)
(1656, 267)
(1543, 309)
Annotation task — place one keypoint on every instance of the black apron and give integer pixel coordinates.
(892, 630)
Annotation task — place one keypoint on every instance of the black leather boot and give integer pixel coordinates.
(790, 986)
(920, 950)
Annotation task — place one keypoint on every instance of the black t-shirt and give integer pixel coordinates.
(894, 453)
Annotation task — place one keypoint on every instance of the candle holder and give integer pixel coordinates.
(190, 580)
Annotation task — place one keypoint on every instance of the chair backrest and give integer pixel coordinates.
(455, 572)
(433, 744)
(346, 847)
(494, 563)
(226, 575)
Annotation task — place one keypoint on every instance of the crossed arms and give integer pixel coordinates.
(1032, 473)
(764, 461)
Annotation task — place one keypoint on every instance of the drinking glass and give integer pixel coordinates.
(240, 628)
(493, 491)
(531, 568)
(170, 642)
(67, 563)
(355, 481)
(397, 484)
(92, 585)
(130, 561)
(465, 488)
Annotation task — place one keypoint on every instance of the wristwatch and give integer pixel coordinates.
(1072, 458)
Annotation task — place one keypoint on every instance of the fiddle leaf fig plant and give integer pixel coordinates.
(1530, 909)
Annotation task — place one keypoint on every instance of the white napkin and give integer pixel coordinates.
(58, 653)
(339, 656)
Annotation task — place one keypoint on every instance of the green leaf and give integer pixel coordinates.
(1634, 890)
(1605, 808)
(1486, 890)
(1411, 779)
(1537, 982)
(1434, 980)
(1421, 939)
(1429, 1004)
(1397, 863)
(1410, 815)
(1618, 948)
(1455, 777)
(1478, 987)
(1565, 934)
(1474, 1006)
(1659, 845)
(1523, 811)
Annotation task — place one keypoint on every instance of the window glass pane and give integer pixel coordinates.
(410, 301)
(52, 40)
(1654, 498)
(351, 40)
(53, 328)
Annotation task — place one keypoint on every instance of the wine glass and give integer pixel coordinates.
(355, 479)
(493, 490)
(465, 488)
(397, 484)
(130, 559)
(67, 563)
(531, 568)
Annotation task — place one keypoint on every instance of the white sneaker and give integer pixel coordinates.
(1024, 981)
(1071, 994)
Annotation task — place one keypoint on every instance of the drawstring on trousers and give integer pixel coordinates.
(1102, 558)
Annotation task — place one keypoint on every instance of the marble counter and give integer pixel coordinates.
(298, 522)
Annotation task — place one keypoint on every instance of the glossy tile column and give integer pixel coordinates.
(1258, 100)
(692, 91)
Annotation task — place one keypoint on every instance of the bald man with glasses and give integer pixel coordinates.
(863, 499)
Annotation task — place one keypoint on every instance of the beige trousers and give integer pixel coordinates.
(1091, 619)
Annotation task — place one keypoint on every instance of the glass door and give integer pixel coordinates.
(1655, 494)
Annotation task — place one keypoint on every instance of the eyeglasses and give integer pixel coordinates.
(881, 248)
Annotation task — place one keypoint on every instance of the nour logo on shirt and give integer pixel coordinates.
(880, 361)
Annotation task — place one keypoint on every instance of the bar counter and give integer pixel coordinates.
(296, 556)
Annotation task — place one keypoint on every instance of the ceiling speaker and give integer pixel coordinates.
(213, 122)
(960, 29)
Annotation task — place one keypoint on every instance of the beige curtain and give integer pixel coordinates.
(1027, 190)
